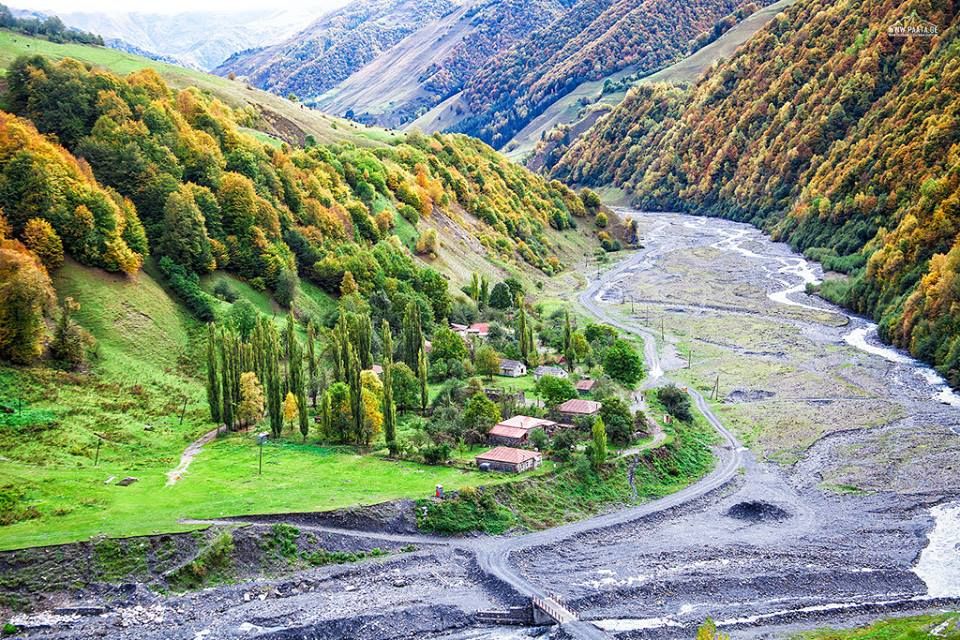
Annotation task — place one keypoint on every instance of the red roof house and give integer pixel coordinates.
(577, 408)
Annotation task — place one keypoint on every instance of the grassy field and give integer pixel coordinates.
(146, 374)
(941, 625)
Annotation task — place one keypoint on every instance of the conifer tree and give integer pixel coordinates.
(213, 379)
(389, 408)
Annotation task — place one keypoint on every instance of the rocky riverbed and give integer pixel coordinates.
(841, 507)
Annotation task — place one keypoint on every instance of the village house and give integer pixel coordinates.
(507, 435)
(585, 386)
(478, 329)
(515, 431)
(512, 368)
(547, 370)
(576, 408)
(509, 459)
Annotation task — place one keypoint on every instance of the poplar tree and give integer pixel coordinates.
(389, 408)
(568, 351)
(484, 291)
(312, 362)
(356, 394)
(295, 379)
(213, 379)
(274, 382)
(598, 451)
(411, 335)
(422, 376)
(228, 373)
(524, 333)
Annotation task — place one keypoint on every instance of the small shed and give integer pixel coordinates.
(509, 459)
(512, 368)
(577, 408)
(585, 386)
(547, 370)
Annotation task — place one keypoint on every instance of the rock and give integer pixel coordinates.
(126, 482)
(350, 587)
(110, 479)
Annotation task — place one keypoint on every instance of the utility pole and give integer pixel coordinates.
(716, 388)
(662, 339)
(96, 458)
(689, 357)
(183, 410)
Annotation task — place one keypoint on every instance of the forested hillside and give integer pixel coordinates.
(833, 136)
(213, 198)
(333, 47)
(592, 40)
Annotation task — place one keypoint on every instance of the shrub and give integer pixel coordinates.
(224, 291)
(187, 287)
(436, 453)
(675, 401)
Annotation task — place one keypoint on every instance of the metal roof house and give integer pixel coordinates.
(509, 459)
(547, 370)
(515, 431)
(512, 368)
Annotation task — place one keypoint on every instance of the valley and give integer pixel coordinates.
(481, 320)
(825, 522)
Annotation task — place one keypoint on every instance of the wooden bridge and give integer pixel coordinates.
(547, 610)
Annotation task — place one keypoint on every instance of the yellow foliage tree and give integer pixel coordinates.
(290, 408)
(250, 410)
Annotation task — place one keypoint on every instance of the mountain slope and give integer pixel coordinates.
(576, 112)
(830, 134)
(592, 40)
(335, 46)
(273, 115)
(433, 63)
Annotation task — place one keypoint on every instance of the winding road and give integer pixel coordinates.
(494, 558)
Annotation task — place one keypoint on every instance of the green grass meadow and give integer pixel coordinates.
(148, 371)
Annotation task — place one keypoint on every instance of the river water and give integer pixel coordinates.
(939, 562)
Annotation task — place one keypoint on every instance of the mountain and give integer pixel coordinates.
(334, 46)
(197, 39)
(831, 134)
(545, 137)
(435, 61)
(590, 41)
